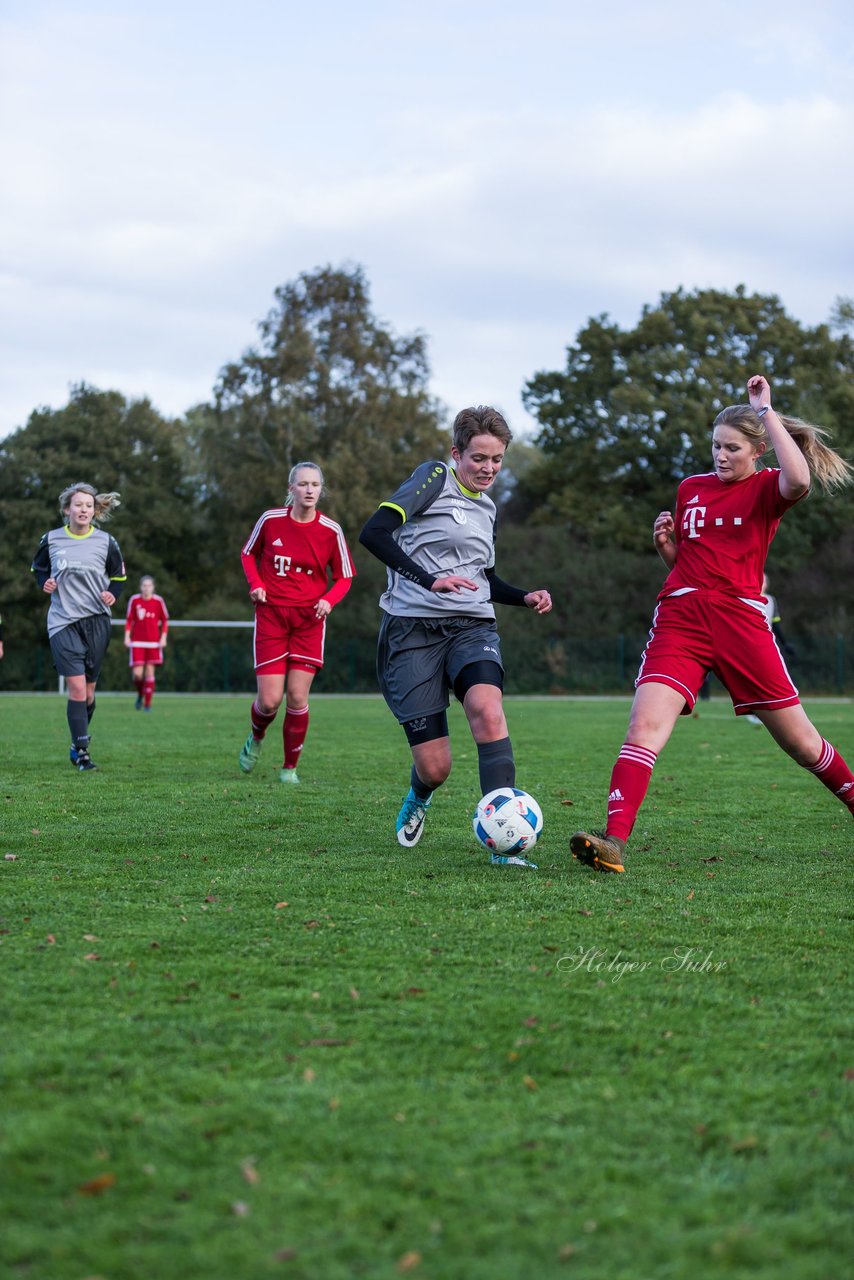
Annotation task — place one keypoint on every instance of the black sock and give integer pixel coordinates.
(422, 791)
(90, 710)
(496, 764)
(77, 722)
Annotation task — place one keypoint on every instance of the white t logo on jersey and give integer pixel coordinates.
(694, 521)
(282, 564)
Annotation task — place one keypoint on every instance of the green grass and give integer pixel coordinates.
(288, 1047)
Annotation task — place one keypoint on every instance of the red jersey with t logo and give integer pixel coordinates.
(723, 532)
(290, 559)
(146, 620)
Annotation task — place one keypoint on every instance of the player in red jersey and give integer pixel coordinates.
(288, 559)
(710, 614)
(146, 628)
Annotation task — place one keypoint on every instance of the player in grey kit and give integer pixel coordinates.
(81, 568)
(436, 535)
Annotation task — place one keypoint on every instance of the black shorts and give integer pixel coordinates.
(79, 648)
(418, 660)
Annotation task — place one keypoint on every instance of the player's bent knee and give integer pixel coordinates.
(435, 775)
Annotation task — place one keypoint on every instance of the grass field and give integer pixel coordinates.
(247, 1035)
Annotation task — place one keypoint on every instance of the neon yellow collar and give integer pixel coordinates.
(80, 536)
(470, 493)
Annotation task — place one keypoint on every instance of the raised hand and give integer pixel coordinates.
(759, 391)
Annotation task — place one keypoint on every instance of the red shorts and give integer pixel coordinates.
(705, 631)
(140, 654)
(286, 637)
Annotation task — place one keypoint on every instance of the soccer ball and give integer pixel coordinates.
(508, 821)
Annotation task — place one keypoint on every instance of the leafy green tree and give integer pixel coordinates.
(103, 439)
(327, 381)
(631, 413)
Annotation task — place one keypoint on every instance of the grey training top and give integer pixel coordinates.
(447, 530)
(84, 566)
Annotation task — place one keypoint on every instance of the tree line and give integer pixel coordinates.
(618, 426)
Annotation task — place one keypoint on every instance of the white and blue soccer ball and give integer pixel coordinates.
(508, 821)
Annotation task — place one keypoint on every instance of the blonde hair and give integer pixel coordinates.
(105, 503)
(826, 466)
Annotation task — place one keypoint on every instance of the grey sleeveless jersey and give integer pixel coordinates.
(447, 531)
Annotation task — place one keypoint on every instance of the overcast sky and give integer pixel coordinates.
(502, 171)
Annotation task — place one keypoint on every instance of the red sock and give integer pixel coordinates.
(260, 722)
(832, 770)
(629, 781)
(293, 735)
(147, 691)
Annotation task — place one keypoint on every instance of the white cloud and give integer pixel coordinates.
(500, 181)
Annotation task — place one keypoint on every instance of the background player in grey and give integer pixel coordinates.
(436, 535)
(81, 568)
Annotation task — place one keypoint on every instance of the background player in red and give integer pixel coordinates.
(290, 555)
(146, 628)
(711, 611)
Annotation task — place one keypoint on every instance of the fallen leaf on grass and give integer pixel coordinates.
(51, 938)
(567, 802)
(565, 1252)
(354, 994)
(10, 857)
(92, 955)
(690, 895)
(409, 1261)
(279, 905)
(90, 937)
(95, 1186)
(285, 1255)
(334, 1104)
(530, 1083)
(308, 1075)
(248, 1171)
(240, 1209)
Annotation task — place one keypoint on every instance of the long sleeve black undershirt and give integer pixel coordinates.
(378, 537)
